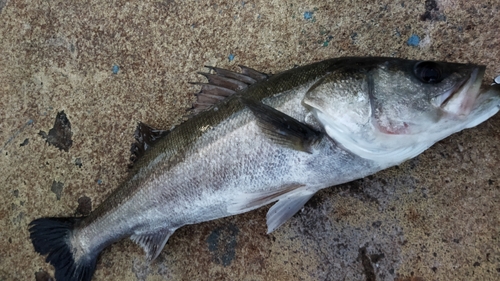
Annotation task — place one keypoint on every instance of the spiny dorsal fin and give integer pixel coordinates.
(283, 129)
(145, 136)
(223, 83)
(257, 75)
(152, 243)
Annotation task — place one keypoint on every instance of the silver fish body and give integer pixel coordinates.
(279, 139)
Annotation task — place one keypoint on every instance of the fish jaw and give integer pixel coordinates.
(463, 99)
(487, 104)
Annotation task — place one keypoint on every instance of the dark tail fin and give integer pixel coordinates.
(51, 237)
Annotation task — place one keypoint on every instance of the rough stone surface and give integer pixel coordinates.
(109, 64)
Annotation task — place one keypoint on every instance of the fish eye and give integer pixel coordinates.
(428, 72)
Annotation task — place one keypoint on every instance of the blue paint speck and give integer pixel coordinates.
(327, 41)
(308, 15)
(231, 57)
(99, 181)
(115, 69)
(413, 41)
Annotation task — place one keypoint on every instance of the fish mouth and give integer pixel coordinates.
(461, 99)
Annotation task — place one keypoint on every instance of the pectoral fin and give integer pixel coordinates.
(283, 129)
(152, 243)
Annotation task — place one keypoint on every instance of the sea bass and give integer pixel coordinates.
(255, 139)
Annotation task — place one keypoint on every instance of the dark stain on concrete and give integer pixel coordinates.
(375, 258)
(78, 162)
(25, 142)
(43, 276)
(367, 265)
(84, 206)
(19, 218)
(57, 188)
(222, 244)
(432, 12)
(360, 189)
(17, 132)
(60, 135)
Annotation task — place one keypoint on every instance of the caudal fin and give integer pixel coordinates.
(51, 237)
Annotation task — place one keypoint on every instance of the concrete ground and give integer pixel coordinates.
(109, 64)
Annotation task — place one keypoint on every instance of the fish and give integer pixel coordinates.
(254, 139)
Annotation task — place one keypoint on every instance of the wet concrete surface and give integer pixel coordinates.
(109, 65)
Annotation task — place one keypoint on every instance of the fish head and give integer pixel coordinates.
(390, 110)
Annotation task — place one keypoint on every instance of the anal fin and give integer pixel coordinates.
(152, 243)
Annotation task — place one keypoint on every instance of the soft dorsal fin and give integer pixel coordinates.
(283, 129)
(223, 83)
(145, 136)
(152, 243)
(234, 75)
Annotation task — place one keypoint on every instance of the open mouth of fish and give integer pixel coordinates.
(460, 99)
